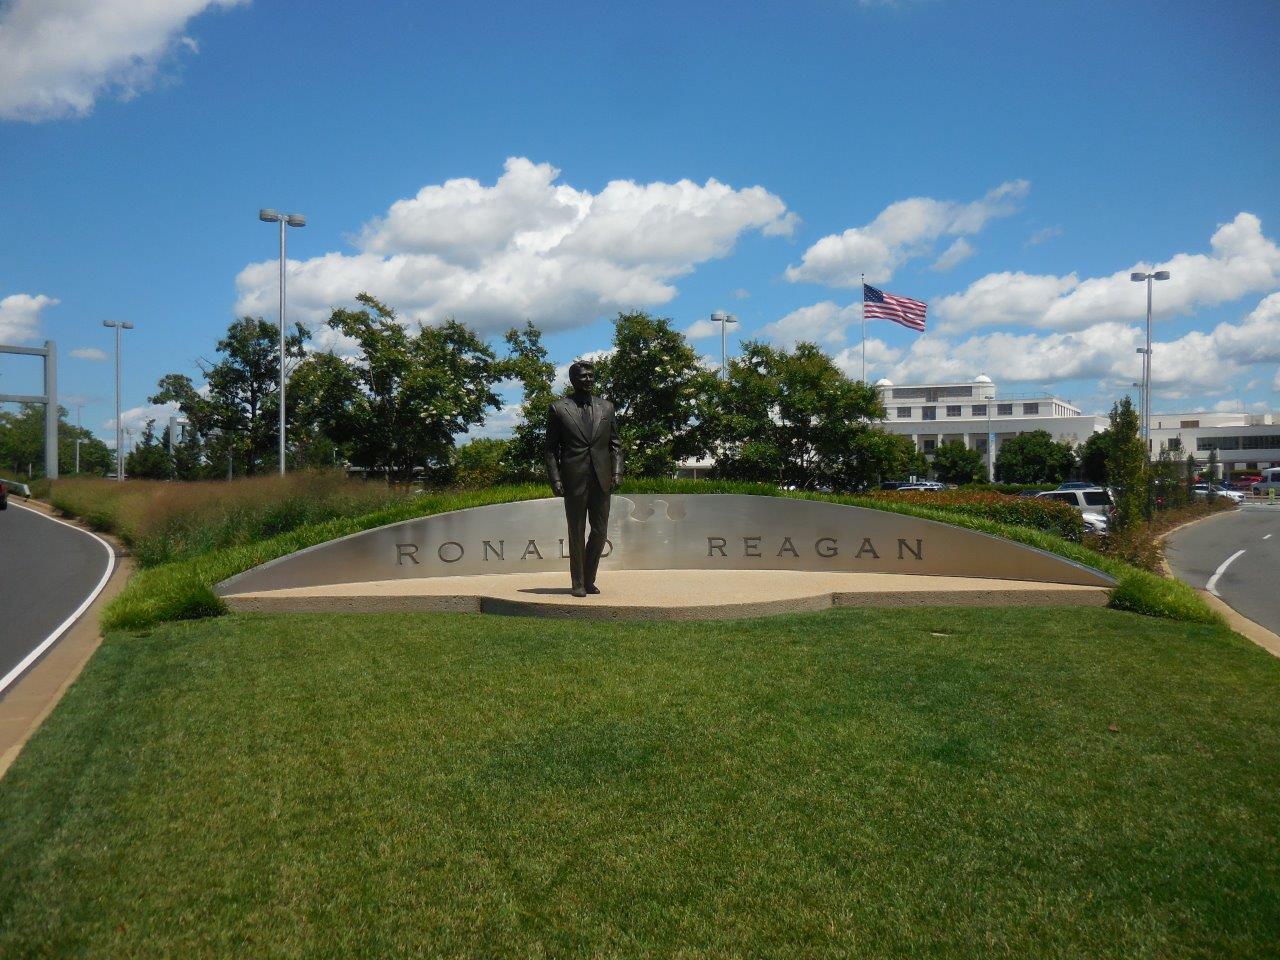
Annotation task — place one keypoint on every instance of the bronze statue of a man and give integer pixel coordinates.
(584, 463)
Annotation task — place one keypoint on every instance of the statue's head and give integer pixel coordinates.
(582, 374)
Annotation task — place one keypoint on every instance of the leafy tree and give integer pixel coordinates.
(955, 463)
(1169, 487)
(527, 362)
(22, 444)
(149, 459)
(243, 393)
(407, 394)
(1034, 457)
(1127, 466)
(1094, 454)
(1211, 474)
(659, 390)
(320, 388)
(1191, 469)
(794, 418)
(480, 462)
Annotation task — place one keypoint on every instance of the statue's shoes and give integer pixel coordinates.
(593, 589)
(578, 592)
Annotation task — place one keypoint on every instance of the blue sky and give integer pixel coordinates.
(1002, 161)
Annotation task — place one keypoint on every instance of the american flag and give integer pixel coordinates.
(878, 305)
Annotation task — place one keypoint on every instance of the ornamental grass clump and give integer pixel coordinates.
(164, 521)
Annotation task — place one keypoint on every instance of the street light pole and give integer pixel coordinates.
(293, 220)
(1138, 277)
(79, 407)
(724, 319)
(118, 325)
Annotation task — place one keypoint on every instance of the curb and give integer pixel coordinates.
(29, 701)
(1242, 625)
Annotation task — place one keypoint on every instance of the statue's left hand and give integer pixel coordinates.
(616, 481)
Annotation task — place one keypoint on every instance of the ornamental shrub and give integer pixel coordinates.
(1039, 513)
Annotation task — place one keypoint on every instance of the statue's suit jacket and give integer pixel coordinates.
(577, 456)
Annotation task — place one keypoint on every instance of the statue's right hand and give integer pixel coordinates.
(558, 489)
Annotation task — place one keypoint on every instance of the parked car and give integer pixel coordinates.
(1094, 522)
(1270, 481)
(1201, 491)
(1077, 485)
(1245, 484)
(1094, 503)
(893, 484)
(4, 495)
(930, 486)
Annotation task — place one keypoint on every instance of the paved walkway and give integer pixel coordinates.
(665, 594)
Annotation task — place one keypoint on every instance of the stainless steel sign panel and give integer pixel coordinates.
(659, 531)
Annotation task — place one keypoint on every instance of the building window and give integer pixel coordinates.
(930, 445)
(1189, 424)
(1175, 443)
(904, 413)
(953, 411)
(1262, 441)
(1030, 409)
(1004, 409)
(928, 413)
(1218, 443)
(980, 445)
(979, 409)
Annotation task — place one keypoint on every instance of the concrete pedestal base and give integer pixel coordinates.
(665, 594)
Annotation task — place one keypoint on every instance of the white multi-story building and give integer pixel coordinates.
(936, 413)
(932, 414)
(1244, 441)
(968, 413)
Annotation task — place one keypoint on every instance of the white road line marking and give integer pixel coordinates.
(1267, 537)
(49, 641)
(1212, 585)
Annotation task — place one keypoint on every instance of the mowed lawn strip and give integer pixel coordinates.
(872, 783)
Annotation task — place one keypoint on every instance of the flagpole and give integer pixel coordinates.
(862, 297)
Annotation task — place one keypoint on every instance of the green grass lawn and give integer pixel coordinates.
(870, 783)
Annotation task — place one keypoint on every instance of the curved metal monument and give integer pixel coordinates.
(666, 532)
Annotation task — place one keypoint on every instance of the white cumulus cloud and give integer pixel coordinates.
(58, 56)
(954, 255)
(89, 353)
(525, 247)
(902, 231)
(1241, 260)
(20, 316)
(1210, 361)
(822, 323)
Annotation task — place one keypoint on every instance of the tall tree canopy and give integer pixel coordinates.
(243, 390)
(405, 396)
(1034, 457)
(527, 362)
(794, 418)
(659, 390)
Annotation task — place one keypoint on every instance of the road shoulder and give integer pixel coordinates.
(27, 703)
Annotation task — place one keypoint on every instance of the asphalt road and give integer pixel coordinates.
(1250, 583)
(47, 571)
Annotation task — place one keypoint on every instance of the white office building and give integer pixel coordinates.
(1244, 441)
(936, 413)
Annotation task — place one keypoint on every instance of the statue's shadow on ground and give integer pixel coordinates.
(547, 590)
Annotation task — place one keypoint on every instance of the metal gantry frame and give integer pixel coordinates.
(49, 398)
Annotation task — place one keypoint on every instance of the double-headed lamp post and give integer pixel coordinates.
(292, 220)
(724, 319)
(118, 325)
(1138, 277)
